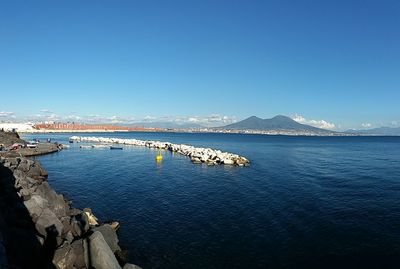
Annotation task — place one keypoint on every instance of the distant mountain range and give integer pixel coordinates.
(377, 131)
(277, 123)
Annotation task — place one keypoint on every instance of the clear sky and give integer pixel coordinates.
(337, 61)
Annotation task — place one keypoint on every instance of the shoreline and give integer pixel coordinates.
(54, 234)
(243, 132)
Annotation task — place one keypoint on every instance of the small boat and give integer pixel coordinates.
(115, 147)
(71, 141)
(159, 157)
(101, 146)
(85, 147)
(32, 146)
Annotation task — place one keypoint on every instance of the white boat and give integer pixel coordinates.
(86, 146)
(31, 146)
(101, 146)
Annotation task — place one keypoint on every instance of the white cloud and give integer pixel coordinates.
(73, 117)
(149, 118)
(6, 114)
(316, 123)
(46, 115)
(366, 125)
(105, 119)
(208, 121)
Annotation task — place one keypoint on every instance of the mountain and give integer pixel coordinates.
(277, 123)
(377, 131)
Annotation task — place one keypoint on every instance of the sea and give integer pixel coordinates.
(304, 202)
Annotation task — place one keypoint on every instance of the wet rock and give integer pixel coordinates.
(101, 255)
(109, 235)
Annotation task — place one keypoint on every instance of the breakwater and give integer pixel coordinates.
(40, 229)
(196, 154)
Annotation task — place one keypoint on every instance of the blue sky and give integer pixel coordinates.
(201, 61)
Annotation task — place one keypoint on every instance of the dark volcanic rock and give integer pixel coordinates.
(38, 228)
(79, 224)
(101, 255)
(9, 138)
(79, 253)
(109, 235)
(36, 205)
(64, 257)
(57, 204)
(48, 224)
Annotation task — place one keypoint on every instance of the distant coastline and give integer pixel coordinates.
(205, 130)
(278, 125)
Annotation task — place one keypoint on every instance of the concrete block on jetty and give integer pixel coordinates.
(196, 154)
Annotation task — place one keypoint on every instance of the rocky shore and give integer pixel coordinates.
(196, 154)
(40, 229)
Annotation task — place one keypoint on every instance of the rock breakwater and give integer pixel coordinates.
(196, 154)
(40, 229)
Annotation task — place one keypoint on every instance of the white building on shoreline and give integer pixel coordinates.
(19, 127)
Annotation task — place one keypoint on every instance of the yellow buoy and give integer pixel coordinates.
(159, 157)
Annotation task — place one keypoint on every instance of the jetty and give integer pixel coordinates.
(196, 154)
(39, 228)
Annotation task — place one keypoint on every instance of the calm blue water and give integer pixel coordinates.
(305, 202)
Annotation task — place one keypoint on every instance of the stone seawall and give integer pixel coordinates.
(40, 229)
(196, 154)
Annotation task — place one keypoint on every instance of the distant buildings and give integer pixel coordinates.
(18, 127)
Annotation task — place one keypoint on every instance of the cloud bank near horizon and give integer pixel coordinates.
(316, 123)
(46, 115)
(212, 120)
